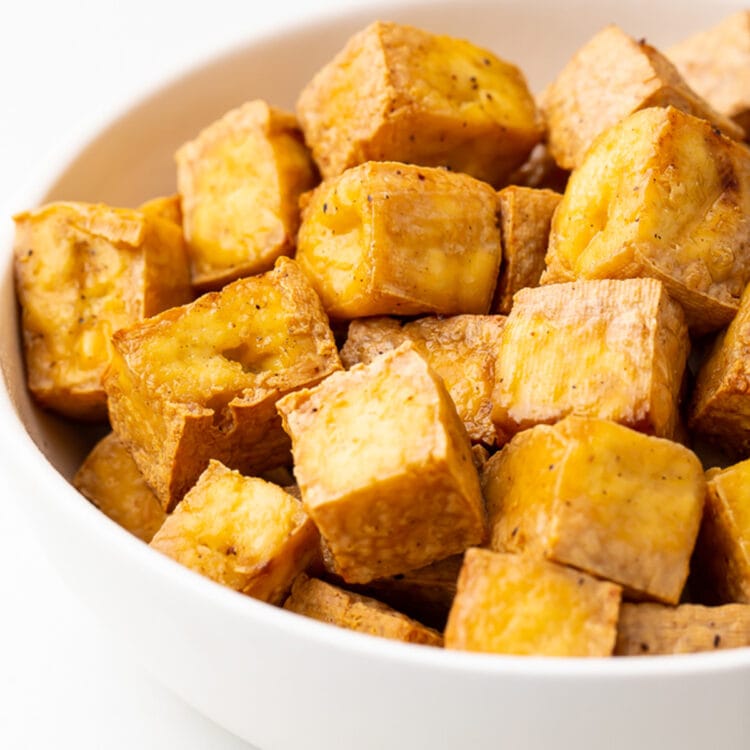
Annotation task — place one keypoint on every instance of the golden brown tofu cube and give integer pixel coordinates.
(514, 604)
(721, 565)
(82, 272)
(165, 207)
(609, 78)
(525, 217)
(461, 349)
(715, 63)
(611, 349)
(389, 238)
(635, 208)
(650, 629)
(314, 598)
(201, 381)
(402, 94)
(600, 497)
(384, 466)
(240, 182)
(110, 479)
(242, 532)
(720, 407)
(425, 594)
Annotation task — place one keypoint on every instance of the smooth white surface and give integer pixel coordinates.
(64, 681)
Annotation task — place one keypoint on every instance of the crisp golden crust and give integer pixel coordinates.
(461, 349)
(651, 629)
(166, 207)
(601, 498)
(110, 479)
(402, 94)
(314, 598)
(609, 78)
(720, 407)
(384, 466)
(389, 238)
(514, 604)
(201, 381)
(239, 531)
(82, 272)
(525, 218)
(721, 566)
(715, 63)
(240, 181)
(611, 349)
(634, 208)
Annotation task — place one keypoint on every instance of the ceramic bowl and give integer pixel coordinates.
(273, 678)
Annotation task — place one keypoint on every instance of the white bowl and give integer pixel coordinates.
(273, 678)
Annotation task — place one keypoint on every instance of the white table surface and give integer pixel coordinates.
(65, 65)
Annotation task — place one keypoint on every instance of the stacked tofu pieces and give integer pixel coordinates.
(369, 366)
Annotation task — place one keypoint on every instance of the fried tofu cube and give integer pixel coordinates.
(82, 272)
(168, 207)
(525, 218)
(240, 182)
(110, 479)
(610, 349)
(384, 466)
(599, 497)
(242, 532)
(201, 381)
(651, 629)
(322, 601)
(715, 63)
(397, 93)
(721, 565)
(636, 208)
(610, 77)
(461, 349)
(720, 406)
(388, 238)
(514, 604)
(425, 594)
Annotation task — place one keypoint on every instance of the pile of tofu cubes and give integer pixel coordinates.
(430, 359)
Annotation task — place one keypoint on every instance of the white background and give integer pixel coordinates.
(66, 65)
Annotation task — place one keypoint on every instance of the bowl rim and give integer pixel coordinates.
(29, 461)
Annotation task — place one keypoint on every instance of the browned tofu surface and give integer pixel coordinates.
(425, 594)
(610, 349)
(650, 629)
(389, 238)
(609, 78)
(402, 94)
(201, 381)
(240, 181)
(525, 217)
(715, 63)
(514, 604)
(600, 497)
(242, 532)
(166, 207)
(720, 407)
(461, 349)
(384, 466)
(314, 598)
(721, 566)
(82, 272)
(635, 208)
(540, 171)
(111, 480)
